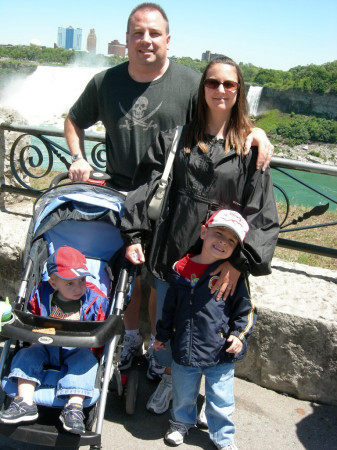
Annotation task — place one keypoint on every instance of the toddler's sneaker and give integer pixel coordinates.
(154, 370)
(18, 411)
(131, 347)
(72, 418)
(201, 419)
(176, 433)
(159, 401)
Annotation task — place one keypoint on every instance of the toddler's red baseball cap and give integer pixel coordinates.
(68, 263)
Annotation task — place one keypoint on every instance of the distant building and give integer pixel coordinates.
(115, 48)
(69, 38)
(91, 41)
(208, 56)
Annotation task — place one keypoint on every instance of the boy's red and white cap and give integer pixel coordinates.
(68, 263)
(229, 219)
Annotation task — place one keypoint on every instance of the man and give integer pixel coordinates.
(136, 100)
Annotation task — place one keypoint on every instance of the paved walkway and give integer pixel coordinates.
(265, 420)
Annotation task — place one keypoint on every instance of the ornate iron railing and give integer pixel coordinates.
(26, 158)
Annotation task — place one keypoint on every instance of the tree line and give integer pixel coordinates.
(321, 79)
(35, 55)
(22, 60)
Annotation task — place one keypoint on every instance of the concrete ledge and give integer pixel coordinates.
(293, 355)
(294, 345)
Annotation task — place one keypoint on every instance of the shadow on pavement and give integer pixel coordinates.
(319, 429)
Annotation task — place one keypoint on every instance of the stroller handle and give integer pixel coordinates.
(95, 176)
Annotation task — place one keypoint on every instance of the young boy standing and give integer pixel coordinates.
(207, 335)
(68, 296)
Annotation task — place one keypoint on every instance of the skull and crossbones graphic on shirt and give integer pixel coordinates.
(137, 115)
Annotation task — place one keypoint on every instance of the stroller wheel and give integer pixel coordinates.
(131, 392)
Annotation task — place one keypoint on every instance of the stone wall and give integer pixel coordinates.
(308, 103)
(294, 345)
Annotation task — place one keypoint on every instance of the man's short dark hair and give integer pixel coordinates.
(149, 7)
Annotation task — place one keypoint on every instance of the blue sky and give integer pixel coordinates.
(277, 34)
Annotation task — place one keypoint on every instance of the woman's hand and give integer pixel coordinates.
(134, 253)
(265, 149)
(226, 283)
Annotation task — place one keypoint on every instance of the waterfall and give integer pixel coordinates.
(47, 94)
(253, 99)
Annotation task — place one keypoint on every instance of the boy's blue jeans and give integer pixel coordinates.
(219, 399)
(78, 368)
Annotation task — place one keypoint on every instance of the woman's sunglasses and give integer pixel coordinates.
(228, 85)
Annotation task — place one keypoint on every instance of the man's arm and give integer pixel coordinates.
(79, 169)
(259, 138)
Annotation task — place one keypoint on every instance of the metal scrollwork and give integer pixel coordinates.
(33, 161)
(39, 160)
(286, 199)
(98, 156)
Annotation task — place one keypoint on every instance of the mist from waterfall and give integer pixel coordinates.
(47, 94)
(253, 99)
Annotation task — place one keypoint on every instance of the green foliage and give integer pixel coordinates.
(298, 129)
(38, 54)
(321, 79)
(195, 64)
(50, 56)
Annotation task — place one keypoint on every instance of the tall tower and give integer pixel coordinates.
(61, 37)
(69, 38)
(91, 41)
(77, 40)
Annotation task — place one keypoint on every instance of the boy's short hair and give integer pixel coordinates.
(226, 218)
(67, 263)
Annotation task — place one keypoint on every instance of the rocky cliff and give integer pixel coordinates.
(298, 102)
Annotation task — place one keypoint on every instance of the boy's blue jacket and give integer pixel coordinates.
(199, 326)
(95, 305)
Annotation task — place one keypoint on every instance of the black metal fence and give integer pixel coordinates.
(29, 161)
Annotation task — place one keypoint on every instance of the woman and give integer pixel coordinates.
(209, 173)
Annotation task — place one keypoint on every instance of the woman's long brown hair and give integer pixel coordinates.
(239, 125)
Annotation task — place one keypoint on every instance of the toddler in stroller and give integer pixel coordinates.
(65, 295)
(87, 218)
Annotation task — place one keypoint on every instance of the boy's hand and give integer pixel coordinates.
(226, 283)
(158, 344)
(236, 345)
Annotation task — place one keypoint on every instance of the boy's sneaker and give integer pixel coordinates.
(131, 347)
(154, 371)
(229, 447)
(176, 433)
(159, 401)
(72, 418)
(202, 419)
(18, 411)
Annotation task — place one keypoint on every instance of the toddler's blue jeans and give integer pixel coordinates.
(78, 368)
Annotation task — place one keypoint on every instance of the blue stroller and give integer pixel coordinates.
(86, 217)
